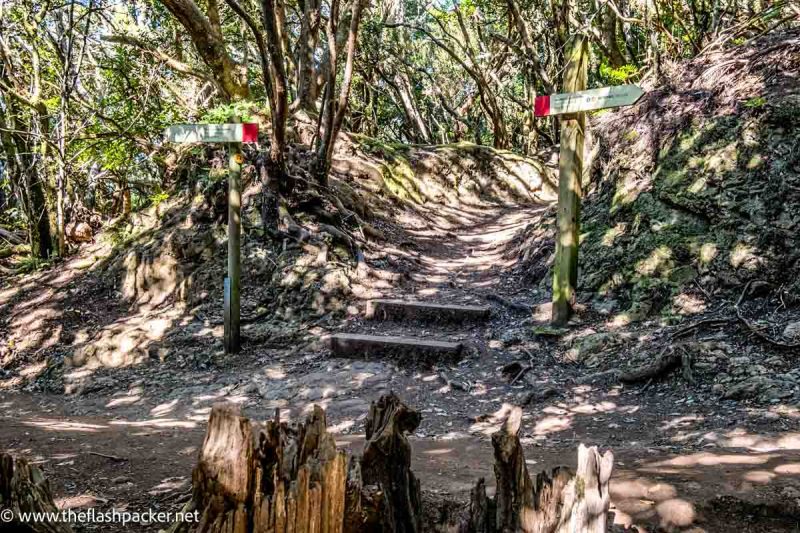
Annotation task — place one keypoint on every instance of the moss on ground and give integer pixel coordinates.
(716, 208)
(453, 172)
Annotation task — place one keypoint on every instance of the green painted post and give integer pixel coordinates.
(232, 302)
(570, 172)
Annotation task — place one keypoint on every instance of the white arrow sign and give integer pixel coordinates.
(559, 104)
(212, 133)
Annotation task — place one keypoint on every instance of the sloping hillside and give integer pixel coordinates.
(155, 280)
(696, 189)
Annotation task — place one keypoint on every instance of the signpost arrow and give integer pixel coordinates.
(591, 100)
(233, 134)
(212, 133)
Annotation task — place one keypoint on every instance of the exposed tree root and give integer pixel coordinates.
(752, 328)
(514, 306)
(667, 361)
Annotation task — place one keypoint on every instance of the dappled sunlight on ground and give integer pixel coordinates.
(77, 502)
(169, 485)
(167, 423)
(704, 459)
(638, 500)
(63, 425)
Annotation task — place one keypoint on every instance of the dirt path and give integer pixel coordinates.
(683, 460)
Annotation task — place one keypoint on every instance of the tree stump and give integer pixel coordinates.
(24, 489)
(391, 494)
(559, 501)
(281, 478)
(267, 477)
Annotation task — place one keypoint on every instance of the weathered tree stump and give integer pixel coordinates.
(558, 501)
(267, 477)
(281, 478)
(391, 491)
(24, 489)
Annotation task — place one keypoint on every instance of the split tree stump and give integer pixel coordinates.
(559, 501)
(24, 489)
(267, 477)
(281, 478)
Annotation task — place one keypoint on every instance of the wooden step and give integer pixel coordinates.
(401, 309)
(407, 351)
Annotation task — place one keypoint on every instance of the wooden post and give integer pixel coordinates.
(570, 172)
(232, 305)
(234, 135)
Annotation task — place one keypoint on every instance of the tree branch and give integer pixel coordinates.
(174, 64)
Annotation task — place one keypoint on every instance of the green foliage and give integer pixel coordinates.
(121, 234)
(617, 76)
(31, 263)
(755, 102)
(226, 112)
(157, 198)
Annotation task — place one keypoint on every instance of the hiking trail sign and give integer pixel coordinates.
(234, 135)
(212, 133)
(591, 100)
(572, 105)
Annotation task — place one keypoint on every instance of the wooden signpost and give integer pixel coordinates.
(573, 104)
(234, 135)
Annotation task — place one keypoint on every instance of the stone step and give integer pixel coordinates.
(412, 310)
(406, 351)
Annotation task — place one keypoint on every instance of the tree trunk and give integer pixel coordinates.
(127, 204)
(23, 170)
(404, 89)
(11, 237)
(558, 501)
(24, 489)
(278, 94)
(210, 45)
(615, 57)
(306, 45)
(529, 46)
(333, 111)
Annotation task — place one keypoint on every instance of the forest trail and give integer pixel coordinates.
(130, 436)
(461, 256)
(400, 151)
(462, 250)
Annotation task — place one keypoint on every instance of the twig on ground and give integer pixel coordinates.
(454, 385)
(702, 289)
(706, 322)
(521, 373)
(756, 331)
(583, 380)
(106, 456)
